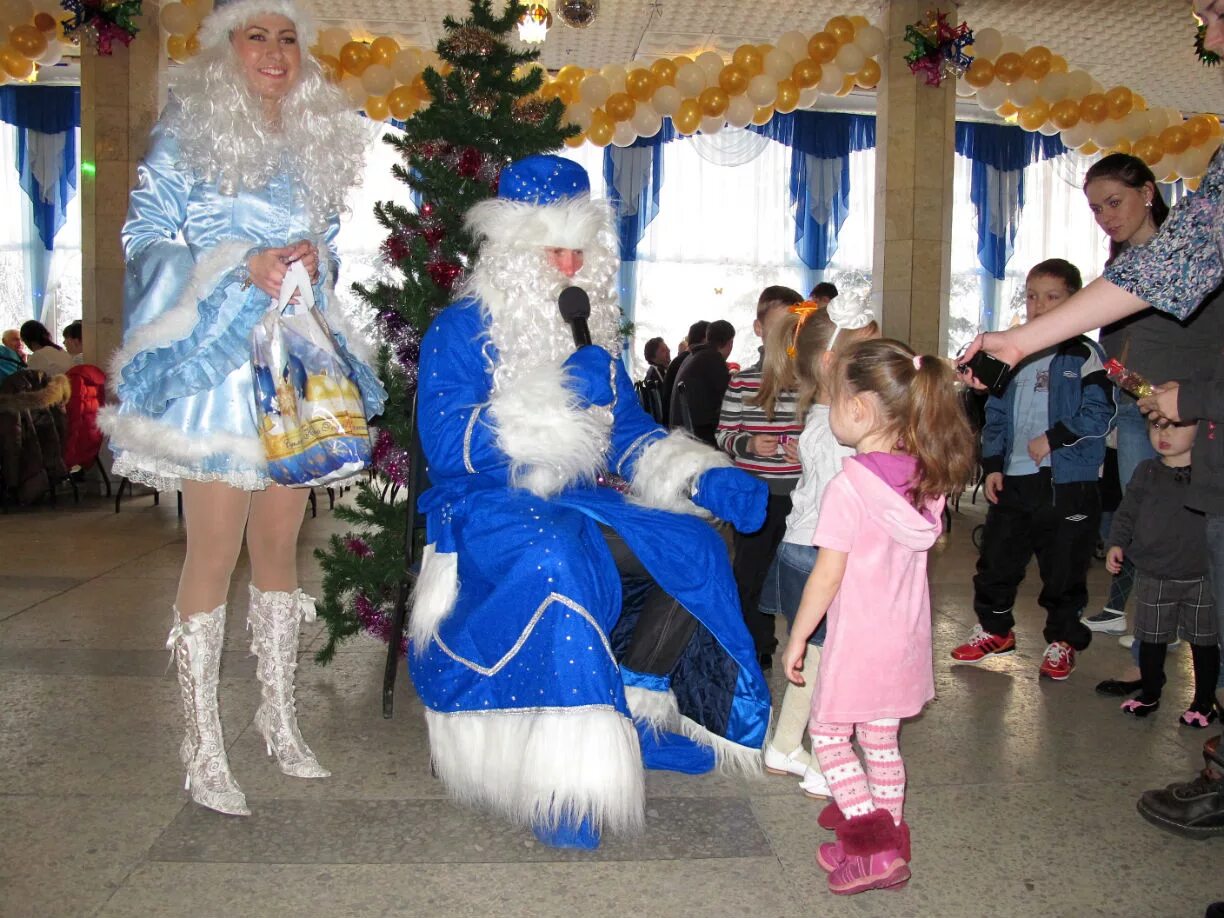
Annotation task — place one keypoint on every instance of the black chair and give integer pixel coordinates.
(418, 481)
(650, 394)
(686, 414)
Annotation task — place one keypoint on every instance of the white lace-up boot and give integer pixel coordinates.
(196, 645)
(275, 619)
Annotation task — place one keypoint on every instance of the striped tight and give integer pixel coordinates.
(858, 793)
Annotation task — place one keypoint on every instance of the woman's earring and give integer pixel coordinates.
(1149, 205)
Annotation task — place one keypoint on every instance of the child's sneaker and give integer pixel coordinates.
(1107, 621)
(983, 644)
(1059, 661)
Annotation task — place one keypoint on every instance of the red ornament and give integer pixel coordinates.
(444, 273)
(433, 235)
(470, 161)
(395, 249)
(427, 209)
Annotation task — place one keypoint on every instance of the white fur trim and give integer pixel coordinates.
(663, 478)
(148, 437)
(434, 597)
(732, 758)
(657, 709)
(177, 322)
(571, 224)
(550, 441)
(540, 766)
(218, 25)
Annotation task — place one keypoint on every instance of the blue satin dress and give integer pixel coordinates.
(183, 377)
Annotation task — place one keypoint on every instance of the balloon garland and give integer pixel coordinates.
(36, 34)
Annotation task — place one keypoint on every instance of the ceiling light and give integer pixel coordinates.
(533, 26)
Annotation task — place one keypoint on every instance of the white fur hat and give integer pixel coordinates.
(227, 17)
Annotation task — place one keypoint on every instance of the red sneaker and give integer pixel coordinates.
(1059, 661)
(983, 644)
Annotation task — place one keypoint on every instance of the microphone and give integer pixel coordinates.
(575, 308)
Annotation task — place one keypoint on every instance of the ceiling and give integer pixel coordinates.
(1145, 44)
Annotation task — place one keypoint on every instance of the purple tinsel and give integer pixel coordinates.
(389, 459)
(358, 547)
(375, 621)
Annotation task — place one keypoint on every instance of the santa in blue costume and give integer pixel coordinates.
(530, 711)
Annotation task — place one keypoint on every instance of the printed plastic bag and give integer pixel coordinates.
(310, 412)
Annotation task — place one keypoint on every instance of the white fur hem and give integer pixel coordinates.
(550, 441)
(177, 322)
(663, 477)
(571, 224)
(143, 435)
(437, 588)
(732, 758)
(540, 767)
(657, 709)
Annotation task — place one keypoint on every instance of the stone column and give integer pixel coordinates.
(915, 144)
(120, 98)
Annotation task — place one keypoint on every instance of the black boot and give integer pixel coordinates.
(1194, 809)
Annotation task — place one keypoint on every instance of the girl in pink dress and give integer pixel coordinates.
(878, 519)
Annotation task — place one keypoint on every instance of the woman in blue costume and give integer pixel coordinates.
(246, 173)
(532, 709)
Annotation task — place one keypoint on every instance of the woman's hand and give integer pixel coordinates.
(1162, 402)
(267, 269)
(997, 344)
(306, 252)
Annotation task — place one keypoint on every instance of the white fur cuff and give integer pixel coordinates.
(572, 224)
(437, 588)
(664, 476)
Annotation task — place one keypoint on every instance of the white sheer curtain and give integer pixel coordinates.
(62, 303)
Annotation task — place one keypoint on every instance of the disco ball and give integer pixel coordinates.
(578, 14)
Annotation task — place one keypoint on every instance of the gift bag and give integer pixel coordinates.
(310, 413)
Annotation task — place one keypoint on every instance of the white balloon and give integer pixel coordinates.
(1079, 84)
(992, 95)
(353, 88)
(1014, 44)
(667, 99)
(794, 44)
(1077, 136)
(712, 125)
(615, 75)
(690, 79)
(52, 56)
(850, 58)
(808, 97)
(377, 79)
(987, 43)
(870, 40)
(711, 64)
(1022, 92)
(624, 135)
(740, 111)
(1173, 116)
(646, 121)
(964, 90)
(594, 90)
(1107, 133)
(779, 64)
(1053, 87)
(1097, 87)
(831, 79)
(1134, 126)
(333, 39)
(406, 64)
(579, 113)
(763, 89)
(1048, 129)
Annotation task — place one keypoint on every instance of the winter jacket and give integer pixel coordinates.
(1081, 414)
(32, 429)
(88, 395)
(1202, 400)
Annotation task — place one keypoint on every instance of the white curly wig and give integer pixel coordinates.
(223, 134)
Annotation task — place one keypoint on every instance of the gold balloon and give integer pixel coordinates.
(1175, 139)
(806, 73)
(1058, 64)
(1089, 148)
(1037, 60)
(571, 73)
(1120, 100)
(331, 66)
(601, 130)
(847, 86)
(28, 41)
(419, 89)
(688, 117)
(402, 102)
(822, 47)
(176, 49)
(1034, 115)
(576, 141)
(788, 96)
(1065, 114)
(1093, 108)
(1007, 110)
(1009, 67)
(762, 115)
(619, 106)
(980, 74)
(193, 48)
(1139, 103)
(557, 90)
(859, 22)
(664, 72)
(764, 50)
(713, 101)
(376, 108)
(840, 28)
(733, 79)
(869, 76)
(44, 22)
(355, 57)
(1148, 149)
(747, 57)
(1122, 146)
(15, 64)
(1200, 130)
(383, 50)
(640, 84)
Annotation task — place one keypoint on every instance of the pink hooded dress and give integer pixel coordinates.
(877, 656)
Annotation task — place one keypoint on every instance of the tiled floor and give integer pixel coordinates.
(1021, 792)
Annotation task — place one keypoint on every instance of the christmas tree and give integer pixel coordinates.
(484, 113)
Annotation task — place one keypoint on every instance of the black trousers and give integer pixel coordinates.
(664, 627)
(753, 555)
(1057, 523)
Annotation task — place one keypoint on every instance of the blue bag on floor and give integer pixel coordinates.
(310, 413)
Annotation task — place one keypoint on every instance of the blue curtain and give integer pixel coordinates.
(633, 176)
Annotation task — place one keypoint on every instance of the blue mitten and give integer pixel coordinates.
(589, 376)
(735, 496)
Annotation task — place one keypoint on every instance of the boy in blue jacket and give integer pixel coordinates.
(1042, 449)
